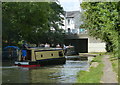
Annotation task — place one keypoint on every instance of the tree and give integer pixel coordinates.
(100, 20)
(29, 20)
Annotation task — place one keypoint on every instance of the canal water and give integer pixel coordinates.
(49, 74)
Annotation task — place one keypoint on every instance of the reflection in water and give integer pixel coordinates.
(15, 75)
(50, 74)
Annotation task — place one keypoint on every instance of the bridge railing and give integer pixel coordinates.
(77, 31)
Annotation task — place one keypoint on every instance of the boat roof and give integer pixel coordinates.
(15, 47)
(45, 49)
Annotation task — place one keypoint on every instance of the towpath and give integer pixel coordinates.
(108, 75)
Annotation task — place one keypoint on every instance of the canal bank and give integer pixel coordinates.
(94, 74)
(100, 71)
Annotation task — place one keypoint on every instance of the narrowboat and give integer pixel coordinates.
(42, 57)
(70, 50)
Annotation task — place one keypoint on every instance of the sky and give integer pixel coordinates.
(70, 5)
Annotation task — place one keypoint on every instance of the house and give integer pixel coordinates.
(79, 37)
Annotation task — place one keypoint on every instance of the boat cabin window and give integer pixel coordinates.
(51, 54)
(41, 55)
(60, 53)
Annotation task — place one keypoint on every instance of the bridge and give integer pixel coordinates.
(84, 43)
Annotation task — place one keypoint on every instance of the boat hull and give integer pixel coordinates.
(44, 62)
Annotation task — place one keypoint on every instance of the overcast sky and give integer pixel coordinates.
(70, 5)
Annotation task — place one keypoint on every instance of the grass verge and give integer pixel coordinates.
(118, 71)
(93, 75)
(114, 62)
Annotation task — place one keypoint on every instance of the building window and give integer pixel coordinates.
(69, 30)
(82, 30)
(68, 21)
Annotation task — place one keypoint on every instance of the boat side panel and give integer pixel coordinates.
(20, 55)
(52, 61)
(33, 56)
(46, 55)
(39, 55)
(44, 62)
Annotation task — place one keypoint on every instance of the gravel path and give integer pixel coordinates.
(108, 75)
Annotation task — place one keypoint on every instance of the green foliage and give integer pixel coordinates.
(97, 59)
(114, 61)
(55, 16)
(94, 76)
(53, 37)
(118, 70)
(30, 21)
(101, 19)
(115, 65)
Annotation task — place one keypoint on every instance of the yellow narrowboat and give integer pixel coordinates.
(42, 57)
